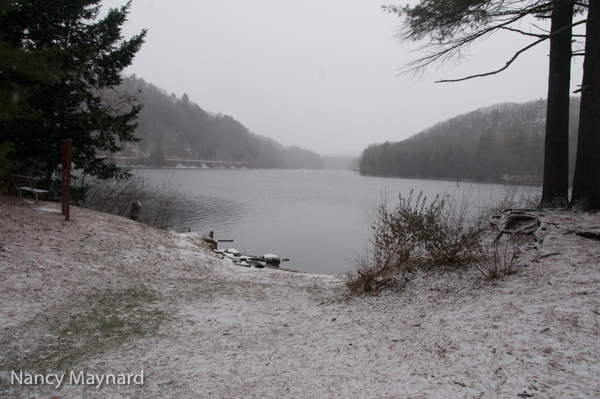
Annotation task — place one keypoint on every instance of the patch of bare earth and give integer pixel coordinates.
(104, 294)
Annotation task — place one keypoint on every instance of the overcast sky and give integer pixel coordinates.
(320, 74)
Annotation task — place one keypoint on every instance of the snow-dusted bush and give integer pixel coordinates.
(498, 258)
(159, 200)
(412, 236)
(419, 235)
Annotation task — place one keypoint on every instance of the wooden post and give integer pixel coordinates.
(210, 239)
(63, 172)
(136, 207)
(66, 177)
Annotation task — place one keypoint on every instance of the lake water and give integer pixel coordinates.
(317, 219)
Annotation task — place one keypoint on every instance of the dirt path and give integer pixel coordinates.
(105, 295)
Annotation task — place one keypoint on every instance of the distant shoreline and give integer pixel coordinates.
(458, 180)
(504, 182)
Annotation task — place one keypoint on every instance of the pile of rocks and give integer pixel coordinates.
(259, 262)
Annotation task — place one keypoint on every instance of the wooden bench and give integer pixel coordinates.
(26, 183)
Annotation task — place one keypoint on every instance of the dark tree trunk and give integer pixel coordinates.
(586, 182)
(555, 193)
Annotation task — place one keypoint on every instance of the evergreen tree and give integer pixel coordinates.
(62, 89)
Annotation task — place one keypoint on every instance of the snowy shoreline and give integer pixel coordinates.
(202, 327)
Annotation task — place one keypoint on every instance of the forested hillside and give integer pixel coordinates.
(500, 142)
(176, 131)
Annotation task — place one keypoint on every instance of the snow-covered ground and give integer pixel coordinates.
(105, 295)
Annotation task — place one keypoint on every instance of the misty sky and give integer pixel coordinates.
(320, 74)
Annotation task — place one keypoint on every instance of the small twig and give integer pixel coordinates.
(35, 262)
(587, 87)
(554, 224)
(548, 255)
(589, 260)
(542, 29)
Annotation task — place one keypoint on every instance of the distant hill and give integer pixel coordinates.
(499, 142)
(175, 131)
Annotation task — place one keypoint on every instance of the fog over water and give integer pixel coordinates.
(319, 74)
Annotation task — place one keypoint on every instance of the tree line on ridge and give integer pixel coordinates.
(176, 128)
(500, 142)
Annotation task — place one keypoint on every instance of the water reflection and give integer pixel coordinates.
(203, 213)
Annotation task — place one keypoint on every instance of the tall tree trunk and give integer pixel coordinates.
(586, 182)
(555, 191)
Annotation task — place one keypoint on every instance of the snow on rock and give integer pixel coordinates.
(272, 258)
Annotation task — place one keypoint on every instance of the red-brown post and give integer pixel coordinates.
(63, 171)
(66, 177)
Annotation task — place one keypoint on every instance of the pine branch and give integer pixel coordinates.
(448, 37)
(455, 46)
(517, 54)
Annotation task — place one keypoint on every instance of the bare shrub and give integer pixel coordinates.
(372, 273)
(162, 205)
(499, 258)
(444, 232)
(413, 235)
(388, 249)
(159, 200)
(447, 237)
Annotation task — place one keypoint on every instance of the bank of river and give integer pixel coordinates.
(106, 295)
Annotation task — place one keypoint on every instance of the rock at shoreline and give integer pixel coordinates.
(270, 258)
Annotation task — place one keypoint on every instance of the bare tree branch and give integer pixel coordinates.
(522, 32)
(517, 54)
(582, 89)
(542, 29)
(443, 47)
(454, 47)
